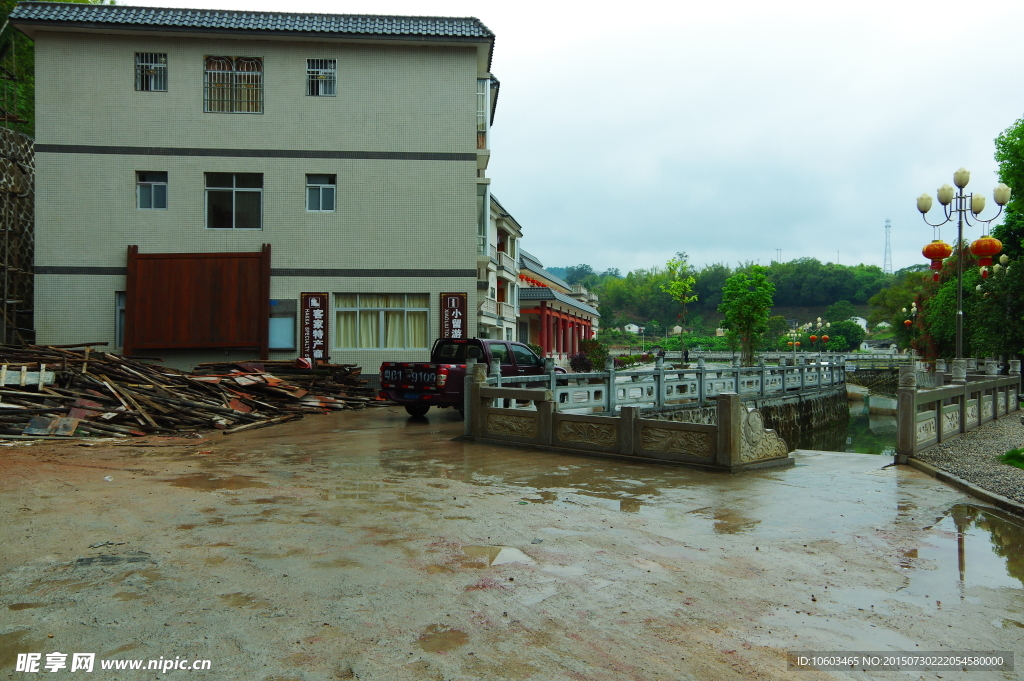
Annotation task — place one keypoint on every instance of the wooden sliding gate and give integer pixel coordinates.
(197, 300)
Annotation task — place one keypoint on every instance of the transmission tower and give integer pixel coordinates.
(887, 265)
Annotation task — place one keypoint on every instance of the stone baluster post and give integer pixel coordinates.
(906, 415)
(960, 371)
(609, 366)
(1015, 367)
(991, 367)
(940, 366)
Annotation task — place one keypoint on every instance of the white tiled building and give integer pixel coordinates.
(251, 158)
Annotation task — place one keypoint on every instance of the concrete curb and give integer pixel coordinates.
(998, 500)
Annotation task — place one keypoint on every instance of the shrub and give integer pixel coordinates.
(596, 351)
(1014, 457)
(580, 363)
(537, 350)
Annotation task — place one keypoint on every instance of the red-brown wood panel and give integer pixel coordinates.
(197, 300)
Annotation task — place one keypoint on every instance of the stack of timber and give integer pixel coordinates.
(62, 391)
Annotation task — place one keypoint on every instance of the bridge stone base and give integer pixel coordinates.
(787, 415)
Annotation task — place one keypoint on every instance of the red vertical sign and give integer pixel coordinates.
(314, 326)
(454, 323)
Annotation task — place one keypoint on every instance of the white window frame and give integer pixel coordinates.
(143, 186)
(380, 311)
(235, 190)
(150, 71)
(320, 187)
(321, 77)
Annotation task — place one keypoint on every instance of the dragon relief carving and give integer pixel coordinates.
(925, 430)
(674, 441)
(758, 443)
(972, 414)
(951, 422)
(517, 426)
(590, 433)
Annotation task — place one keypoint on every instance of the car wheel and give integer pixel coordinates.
(417, 409)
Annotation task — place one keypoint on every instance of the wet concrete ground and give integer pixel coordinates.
(369, 545)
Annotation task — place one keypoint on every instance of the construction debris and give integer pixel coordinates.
(74, 391)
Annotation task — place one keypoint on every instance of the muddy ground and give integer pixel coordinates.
(368, 545)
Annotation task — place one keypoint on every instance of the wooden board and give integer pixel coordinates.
(197, 300)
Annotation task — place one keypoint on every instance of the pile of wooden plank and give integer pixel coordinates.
(62, 391)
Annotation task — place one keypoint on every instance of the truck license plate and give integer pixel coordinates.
(412, 396)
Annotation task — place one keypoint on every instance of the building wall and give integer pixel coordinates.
(391, 213)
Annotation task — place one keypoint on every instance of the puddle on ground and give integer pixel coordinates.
(242, 600)
(207, 481)
(336, 563)
(18, 642)
(437, 638)
(129, 596)
(971, 546)
(215, 560)
(123, 649)
(727, 521)
(26, 606)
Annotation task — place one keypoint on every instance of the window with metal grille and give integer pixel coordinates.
(151, 71)
(234, 200)
(320, 192)
(233, 85)
(321, 77)
(151, 189)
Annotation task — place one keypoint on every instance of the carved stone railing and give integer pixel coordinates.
(662, 387)
(737, 440)
(926, 417)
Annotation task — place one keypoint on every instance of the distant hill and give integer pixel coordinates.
(559, 272)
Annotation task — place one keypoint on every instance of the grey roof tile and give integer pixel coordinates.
(542, 293)
(462, 28)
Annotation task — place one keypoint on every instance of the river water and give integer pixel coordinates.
(863, 432)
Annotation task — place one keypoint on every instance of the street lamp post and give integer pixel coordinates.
(962, 206)
(911, 322)
(793, 335)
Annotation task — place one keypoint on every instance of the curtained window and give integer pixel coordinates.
(381, 320)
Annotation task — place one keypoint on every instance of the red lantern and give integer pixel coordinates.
(985, 248)
(790, 343)
(937, 251)
(907, 323)
(798, 343)
(814, 339)
(824, 339)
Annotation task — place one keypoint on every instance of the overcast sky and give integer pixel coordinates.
(626, 132)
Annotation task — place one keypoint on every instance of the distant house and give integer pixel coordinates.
(883, 325)
(884, 346)
(860, 321)
(633, 328)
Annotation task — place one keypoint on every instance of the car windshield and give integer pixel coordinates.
(453, 353)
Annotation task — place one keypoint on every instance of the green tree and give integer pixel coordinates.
(840, 311)
(17, 87)
(577, 274)
(746, 304)
(680, 282)
(850, 332)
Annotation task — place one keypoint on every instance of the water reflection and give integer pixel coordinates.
(1005, 536)
(863, 432)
